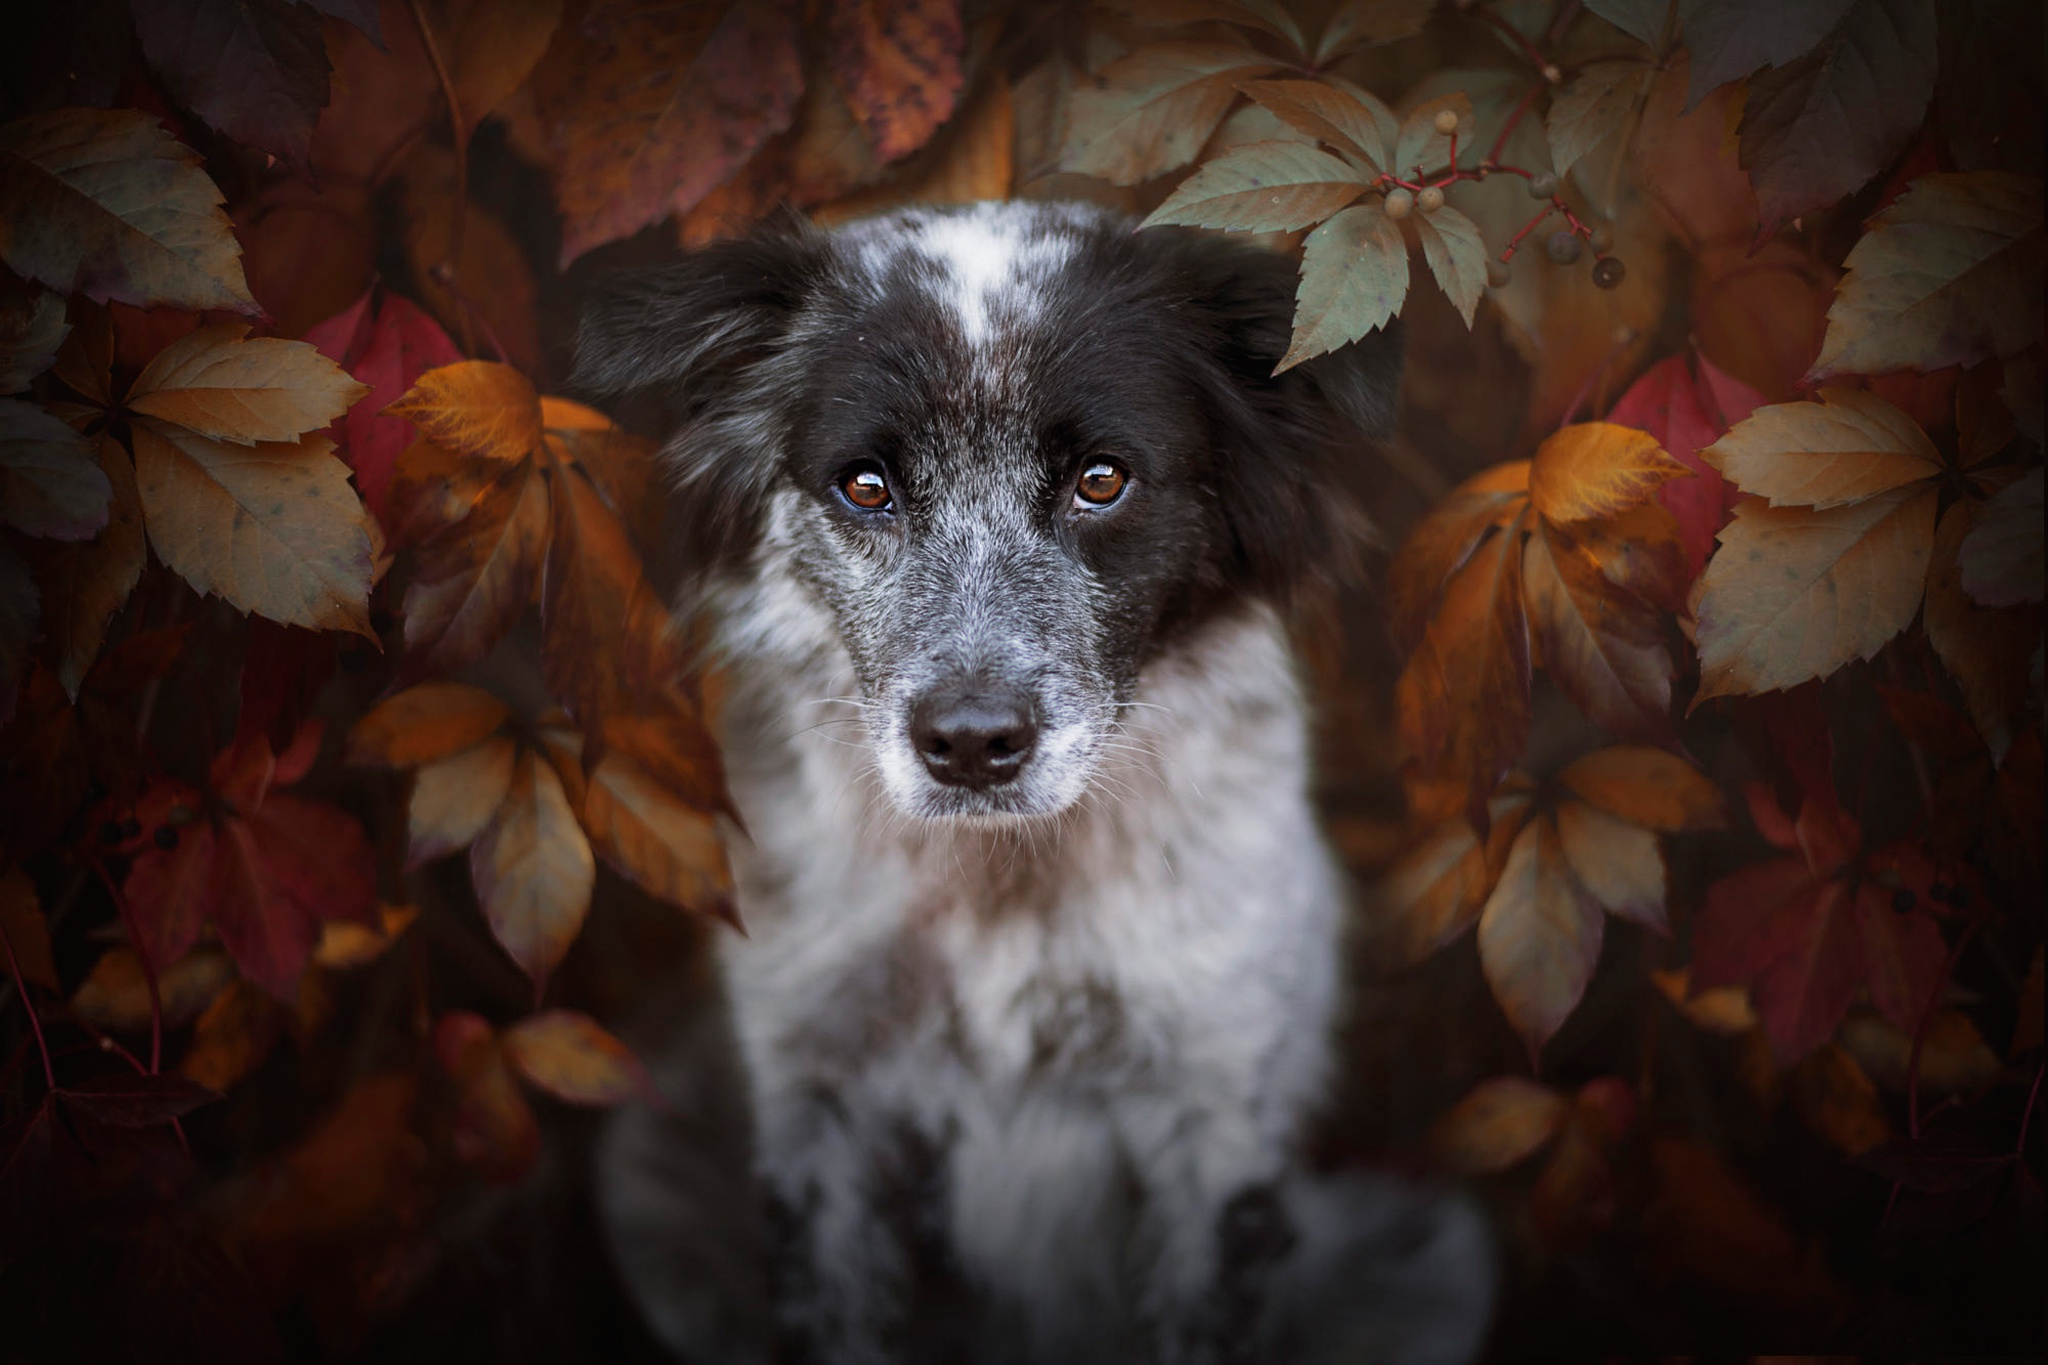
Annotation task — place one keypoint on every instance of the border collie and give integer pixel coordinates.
(995, 514)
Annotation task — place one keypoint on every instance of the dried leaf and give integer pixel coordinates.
(1263, 187)
(1597, 469)
(670, 848)
(1846, 448)
(571, 1057)
(1539, 935)
(426, 723)
(494, 1130)
(232, 1038)
(273, 528)
(475, 407)
(1617, 862)
(254, 69)
(50, 484)
(2000, 557)
(1725, 1010)
(32, 327)
(344, 945)
(487, 292)
(115, 994)
(1503, 1121)
(476, 575)
(532, 869)
(653, 108)
(386, 342)
(1795, 593)
(105, 203)
(1647, 787)
(1441, 543)
(1594, 107)
(1820, 127)
(1606, 650)
(455, 798)
(1987, 650)
(1950, 273)
(1351, 120)
(1684, 416)
(899, 65)
(491, 47)
(1354, 277)
(216, 383)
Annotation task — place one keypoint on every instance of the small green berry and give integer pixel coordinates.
(1447, 121)
(1608, 272)
(1498, 273)
(1430, 200)
(1563, 246)
(1602, 241)
(1542, 186)
(1399, 203)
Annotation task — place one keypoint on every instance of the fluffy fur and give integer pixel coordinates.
(1025, 1063)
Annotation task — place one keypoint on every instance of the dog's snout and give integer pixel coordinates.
(973, 738)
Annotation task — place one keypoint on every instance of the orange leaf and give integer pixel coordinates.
(425, 723)
(1539, 935)
(474, 576)
(1443, 540)
(1604, 649)
(568, 1055)
(476, 407)
(495, 1130)
(1596, 469)
(669, 848)
(1617, 863)
(532, 869)
(232, 1038)
(1503, 1121)
(454, 798)
(1648, 787)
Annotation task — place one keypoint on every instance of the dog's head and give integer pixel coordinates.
(1015, 451)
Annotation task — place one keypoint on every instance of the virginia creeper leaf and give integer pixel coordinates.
(1354, 276)
(219, 383)
(1265, 187)
(898, 62)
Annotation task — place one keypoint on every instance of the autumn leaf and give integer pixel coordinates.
(665, 845)
(1444, 539)
(481, 531)
(1539, 935)
(1596, 469)
(1593, 108)
(1360, 23)
(570, 1056)
(1685, 404)
(32, 327)
(218, 384)
(1949, 274)
(1605, 650)
(115, 994)
(1987, 650)
(105, 203)
(84, 585)
(273, 528)
(533, 870)
(1456, 255)
(475, 407)
(1732, 38)
(651, 109)
(898, 62)
(50, 484)
(1648, 787)
(386, 342)
(1354, 277)
(1151, 112)
(1352, 121)
(494, 1129)
(425, 723)
(254, 69)
(1500, 1122)
(1848, 447)
(2000, 557)
(1265, 187)
(455, 798)
(24, 931)
(1822, 126)
(232, 1037)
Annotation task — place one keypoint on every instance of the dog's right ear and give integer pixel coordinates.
(683, 328)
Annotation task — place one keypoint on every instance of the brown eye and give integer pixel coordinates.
(1101, 484)
(865, 488)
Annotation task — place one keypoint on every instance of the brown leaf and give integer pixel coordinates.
(532, 869)
(491, 47)
(105, 203)
(425, 723)
(899, 63)
(1987, 650)
(1836, 1100)
(1441, 543)
(1724, 1010)
(1761, 315)
(475, 575)
(84, 585)
(50, 484)
(1539, 935)
(455, 798)
(232, 1038)
(32, 327)
(652, 108)
(1641, 551)
(219, 384)
(25, 932)
(2000, 558)
(1150, 112)
(1794, 593)
(344, 944)
(115, 994)
(670, 848)
(1503, 1121)
(253, 69)
(1617, 862)
(273, 528)
(1605, 649)
(1647, 787)
(478, 407)
(571, 1057)
(1597, 104)
(1597, 469)
(494, 1129)
(1849, 446)
(1351, 120)
(488, 295)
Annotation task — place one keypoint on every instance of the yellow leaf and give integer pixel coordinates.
(1596, 469)
(218, 384)
(455, 798)
(1849, 446)
(425, 723)
(1539, 935)
(533, 870)
(475, 407)
(1647, 787)
(1502, 1121)
(1619, 864)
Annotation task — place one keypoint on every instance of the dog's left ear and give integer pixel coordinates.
(1283, 438)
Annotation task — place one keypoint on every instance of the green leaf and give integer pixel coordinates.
(1456, 254)
(106, 203)
(1363, 23)
(1150, 112)
(1593, 107)
(1354, 122)
(1949, 274)
(1420, 145)
(1354, 277)
(1265, 187)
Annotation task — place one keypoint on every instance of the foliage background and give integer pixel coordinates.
(1699, 675)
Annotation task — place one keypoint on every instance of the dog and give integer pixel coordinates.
(994, 516)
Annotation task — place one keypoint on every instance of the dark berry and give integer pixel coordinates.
(110, 832)
(1563, 247)
(1608, 272)
(166, 837)
(1903, 899)
(1542, 186)
(1601, 240)
(1498, 273)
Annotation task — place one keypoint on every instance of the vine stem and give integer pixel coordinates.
(1507, 128)
(1544, 66)
(156, 1004)
(457, 216)
(34, 1022)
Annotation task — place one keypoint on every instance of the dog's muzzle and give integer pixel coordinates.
(975, 735)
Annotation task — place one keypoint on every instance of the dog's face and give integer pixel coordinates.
(1015, 452)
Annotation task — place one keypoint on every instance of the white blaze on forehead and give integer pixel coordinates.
(986, 256)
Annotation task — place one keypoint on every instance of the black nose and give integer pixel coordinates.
(974, 739)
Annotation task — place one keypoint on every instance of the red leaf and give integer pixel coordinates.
(387, 342)
(1902, 955)
(130, 1100)
(1687, 405)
